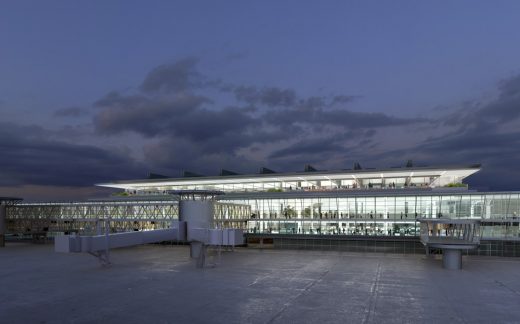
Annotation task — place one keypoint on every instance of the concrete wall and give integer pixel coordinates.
(401, 245)
(381, 244)
(498, 248)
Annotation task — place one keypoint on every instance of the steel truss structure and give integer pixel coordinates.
(86, 217)
(228, 215)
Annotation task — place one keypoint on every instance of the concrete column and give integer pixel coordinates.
(452, 259)
(197, 214)
(195, 249)
(2, 224)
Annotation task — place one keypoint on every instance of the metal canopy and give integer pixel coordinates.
(461, 171)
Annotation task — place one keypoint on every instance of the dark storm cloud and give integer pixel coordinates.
(476, 140)
(276, 97)
(483, 132)
(71, 112)
(343, 99)
(175, 77)
(172, 106)
(271, 97)
(114, 99)
(186, 130)
(499, 160)
(185, 115)
(309, 147)
(510, 87)
(181, 116)
(174, 155)
(363, 120)
(232, 141)
(31, 156)
(339, 144)
(338, 117)
(205, 124)
(504, 109)
(145, 115)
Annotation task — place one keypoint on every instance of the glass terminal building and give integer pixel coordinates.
(351, 210)
(367, 204)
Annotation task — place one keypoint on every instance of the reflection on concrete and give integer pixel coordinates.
(159, 284)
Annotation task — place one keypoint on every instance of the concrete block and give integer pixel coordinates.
(67, 244)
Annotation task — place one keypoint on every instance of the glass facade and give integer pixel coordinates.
(381, 215)
(359, 202)
(392, 213)
(301, 185)
(341, 180)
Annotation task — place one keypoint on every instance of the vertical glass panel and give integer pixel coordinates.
(381, 211)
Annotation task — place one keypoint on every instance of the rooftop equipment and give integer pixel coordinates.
(452, 236)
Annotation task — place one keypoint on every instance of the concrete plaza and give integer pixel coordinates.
(160, 284)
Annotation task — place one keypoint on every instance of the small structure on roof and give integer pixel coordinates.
(152, 175)
(224, 172)
(264, 170)
(189, 174)
(452, 236)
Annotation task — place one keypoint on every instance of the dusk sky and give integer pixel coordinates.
(93, 91)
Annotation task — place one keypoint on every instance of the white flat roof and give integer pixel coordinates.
(456, 172)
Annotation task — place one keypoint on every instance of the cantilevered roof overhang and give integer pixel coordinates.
(450, 171)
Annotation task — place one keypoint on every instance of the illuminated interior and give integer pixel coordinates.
(344, 180)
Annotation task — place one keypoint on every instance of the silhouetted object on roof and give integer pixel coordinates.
(357, 166)
(409, 164)
(157, 176)
(309, 168)
(188, 174)
(224, 172)
(266, 171)
(9, 200)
